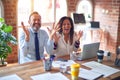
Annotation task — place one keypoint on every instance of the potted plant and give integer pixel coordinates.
(6, 39)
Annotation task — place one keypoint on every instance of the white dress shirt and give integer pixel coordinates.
(27, 49)
(64, 48)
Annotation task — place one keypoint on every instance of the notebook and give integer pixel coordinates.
(89, 51)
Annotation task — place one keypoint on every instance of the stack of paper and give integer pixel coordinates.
(101, 68)
(50, 76)
(11, 77)
(88, 74)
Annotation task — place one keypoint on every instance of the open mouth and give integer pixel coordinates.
(66, 29)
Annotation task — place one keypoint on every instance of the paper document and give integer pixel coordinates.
(88, 74)
(50, 76)
(11, 77)
(101, 68)
(67, 63)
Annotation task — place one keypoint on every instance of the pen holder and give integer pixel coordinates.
(47, 64)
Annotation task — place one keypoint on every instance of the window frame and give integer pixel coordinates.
(55, 17)
(91, 14)
(1, 9)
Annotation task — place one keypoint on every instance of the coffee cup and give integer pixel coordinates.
(75, 71)
(100, 55)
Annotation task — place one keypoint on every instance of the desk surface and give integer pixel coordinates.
(26, 70)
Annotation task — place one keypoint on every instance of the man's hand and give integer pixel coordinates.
(25, 31)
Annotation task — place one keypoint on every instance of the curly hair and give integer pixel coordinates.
(72, 27)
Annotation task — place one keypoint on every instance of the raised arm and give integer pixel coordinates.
(52, 33)
(25, 31)
(79, 35)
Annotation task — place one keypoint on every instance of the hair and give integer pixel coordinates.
(35, 12)
(72, 27)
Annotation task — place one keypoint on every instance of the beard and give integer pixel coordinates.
(36, 27)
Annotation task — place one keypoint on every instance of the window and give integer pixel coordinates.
(85, 7)
(23, 11)
(1, 9)
(50, 10)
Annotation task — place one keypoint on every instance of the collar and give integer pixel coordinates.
(33, 30)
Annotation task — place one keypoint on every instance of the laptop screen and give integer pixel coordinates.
(89, 50)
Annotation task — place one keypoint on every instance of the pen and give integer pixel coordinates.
(99, 77)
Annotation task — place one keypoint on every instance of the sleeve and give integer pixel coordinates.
(76, 43)
(23, 44)
(56, 44)
(49, 44)
(23, 47)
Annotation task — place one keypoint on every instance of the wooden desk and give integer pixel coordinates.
(26, 70)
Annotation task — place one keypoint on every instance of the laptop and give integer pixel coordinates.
(89, 51)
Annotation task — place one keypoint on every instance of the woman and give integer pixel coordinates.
(66, 40)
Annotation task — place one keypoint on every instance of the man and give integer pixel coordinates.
(27, 41)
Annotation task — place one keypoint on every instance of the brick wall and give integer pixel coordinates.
(118, 37)
(109, 22)
(108, 13)
(10, 7)
(71, 6)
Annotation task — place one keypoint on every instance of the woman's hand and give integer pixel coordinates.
(25, 31)
(79, 35)
(53, 31)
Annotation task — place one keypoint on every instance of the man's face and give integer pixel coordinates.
(35, 22)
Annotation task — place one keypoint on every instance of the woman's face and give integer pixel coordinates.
(66, 26)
